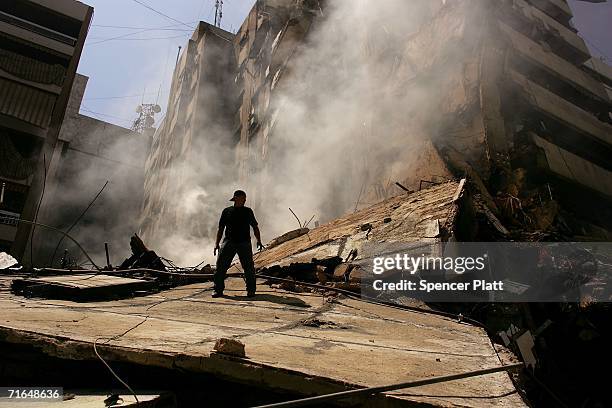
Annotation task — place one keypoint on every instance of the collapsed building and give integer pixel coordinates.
(516, 107)
(506, 93)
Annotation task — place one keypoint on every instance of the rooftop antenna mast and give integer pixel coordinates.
(218, 12)
(145, 120)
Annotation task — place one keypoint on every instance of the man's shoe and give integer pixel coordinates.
(251, 294)
(217, 294)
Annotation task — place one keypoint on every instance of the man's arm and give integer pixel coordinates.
(219, 232)
(219, 236)
(258, 237)
(255, 226)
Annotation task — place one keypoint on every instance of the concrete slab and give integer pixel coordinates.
(357, 344)
(84, 286)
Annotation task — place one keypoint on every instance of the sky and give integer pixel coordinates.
(137, 67)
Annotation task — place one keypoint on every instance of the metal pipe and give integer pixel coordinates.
(362, 392)
(108, 264)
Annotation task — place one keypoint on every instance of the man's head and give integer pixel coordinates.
(239, 198)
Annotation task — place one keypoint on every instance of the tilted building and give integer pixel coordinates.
(41, 43)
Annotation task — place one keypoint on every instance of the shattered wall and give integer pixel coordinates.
(415, 92)
(355, 102)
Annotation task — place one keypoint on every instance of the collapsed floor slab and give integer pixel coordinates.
(359, 345)
(80, 287)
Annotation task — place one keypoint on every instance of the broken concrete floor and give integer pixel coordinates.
(296, 343)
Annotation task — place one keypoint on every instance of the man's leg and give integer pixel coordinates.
(224, 260)
(245, 254)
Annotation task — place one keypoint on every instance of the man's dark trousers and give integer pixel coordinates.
(227, 251)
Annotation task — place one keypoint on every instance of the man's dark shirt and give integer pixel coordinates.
(237, 222)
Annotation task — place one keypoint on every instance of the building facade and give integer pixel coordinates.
(40, 49)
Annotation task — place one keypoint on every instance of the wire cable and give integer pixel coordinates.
(18, 220)
(113, 372)
(76, 221)
(129, 34)
(363, 392)
(145, 5)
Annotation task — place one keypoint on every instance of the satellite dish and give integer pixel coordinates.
(138, 109)
(157, 109)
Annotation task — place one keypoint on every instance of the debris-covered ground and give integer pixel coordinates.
(309, 320)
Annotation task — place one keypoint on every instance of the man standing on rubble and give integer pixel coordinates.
(237, 221)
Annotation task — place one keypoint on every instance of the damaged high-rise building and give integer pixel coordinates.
(327, 105)
(41, 43)
(191, 149)
(54, 160)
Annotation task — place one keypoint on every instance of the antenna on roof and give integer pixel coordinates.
(218, 12)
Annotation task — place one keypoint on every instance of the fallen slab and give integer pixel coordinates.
(80, 287)
(357, 344)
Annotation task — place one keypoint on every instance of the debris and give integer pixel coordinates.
(403, 188)
(525, 345)
(342, 271)
(321, 273)
(288, 236)
(231, 347)
(459, 190)
(286, 285)
(142, 257)
(108, 264)
(515, 287)
(351, 255)
(6, 261)
(545, 215)
(356, 274)
(314, 322)
(493, 219)
(366, 227)
(112, 400)
(81, 287)
(329, 262)
(432, 228)
(351, 286)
